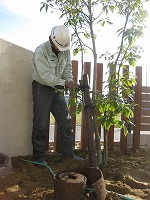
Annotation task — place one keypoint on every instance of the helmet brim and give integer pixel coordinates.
(59, 47)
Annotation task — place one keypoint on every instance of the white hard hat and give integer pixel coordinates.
(60, 36)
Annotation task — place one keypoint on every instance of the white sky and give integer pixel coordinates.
(34, 27)
(37, 27)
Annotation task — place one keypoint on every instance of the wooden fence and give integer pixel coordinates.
(137, 112)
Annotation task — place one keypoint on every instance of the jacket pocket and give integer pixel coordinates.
(52, 66)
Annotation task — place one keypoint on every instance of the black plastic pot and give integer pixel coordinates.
(69, 185)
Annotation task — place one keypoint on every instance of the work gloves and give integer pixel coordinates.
(71, 85)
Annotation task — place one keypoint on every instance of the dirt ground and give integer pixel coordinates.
(128, 175)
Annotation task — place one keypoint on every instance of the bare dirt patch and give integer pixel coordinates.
(128, 175)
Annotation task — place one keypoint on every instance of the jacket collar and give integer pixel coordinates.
(50, 51)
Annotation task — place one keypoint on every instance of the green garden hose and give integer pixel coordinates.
(122, 196)
(44, 165)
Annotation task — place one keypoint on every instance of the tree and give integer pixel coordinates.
(85, 19)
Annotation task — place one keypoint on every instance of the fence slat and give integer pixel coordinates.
(145, 104)
(123, 138)
(99, 84)
(137, 110)
(111, 139)
(145, 127)
(145, 119)
(145, 89)
(84, 140)
(99, 77)
(145, 112)
(90, 124)
(146, 97)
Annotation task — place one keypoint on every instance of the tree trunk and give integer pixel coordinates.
(90, 123)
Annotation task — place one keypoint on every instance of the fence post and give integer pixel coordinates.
(99, 84)
(111, 130)
(84, 140)
(137, 110)
(111, 139)
(123, 138)
(90, 134)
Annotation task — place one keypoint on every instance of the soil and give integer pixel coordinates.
(127, 175)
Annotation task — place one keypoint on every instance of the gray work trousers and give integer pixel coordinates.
(46, 99)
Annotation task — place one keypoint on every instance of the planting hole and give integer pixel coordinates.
(72, 177)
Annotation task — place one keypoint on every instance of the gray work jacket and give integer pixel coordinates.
(49, 69)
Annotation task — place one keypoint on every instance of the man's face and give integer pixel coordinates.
(54, 46)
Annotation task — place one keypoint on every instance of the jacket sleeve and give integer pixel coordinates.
(43, 69)
(67, 73)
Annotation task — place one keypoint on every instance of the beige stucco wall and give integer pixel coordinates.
(15, 99)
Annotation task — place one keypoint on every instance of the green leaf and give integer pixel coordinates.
(42, 7)
(46, 7)
(87, 35)
(76, 51)
(125, 131)
(109, 22)
(111, 7)
(102, 23)
(132, 62)
(79, 107)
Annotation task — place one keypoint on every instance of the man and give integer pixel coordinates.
(52, 73)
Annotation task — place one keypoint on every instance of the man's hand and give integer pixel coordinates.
(71, 85)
